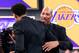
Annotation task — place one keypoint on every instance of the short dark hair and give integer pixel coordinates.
(19, 9)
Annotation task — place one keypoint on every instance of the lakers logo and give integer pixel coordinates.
(65, 16)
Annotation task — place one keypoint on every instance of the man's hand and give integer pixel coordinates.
(50, 45)
(12, 51)
(67, 51)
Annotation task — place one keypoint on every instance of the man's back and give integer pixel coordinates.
(34, 36)
(31, 34)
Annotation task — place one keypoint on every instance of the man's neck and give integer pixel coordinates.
(48, 22)
(20, 17)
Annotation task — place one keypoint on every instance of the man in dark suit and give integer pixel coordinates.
(30, 34)
(57, 30)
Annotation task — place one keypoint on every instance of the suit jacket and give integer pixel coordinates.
(30, 35)
(60, 34)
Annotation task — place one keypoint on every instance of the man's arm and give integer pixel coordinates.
(51, 41)
(19, 37)
(64, 44)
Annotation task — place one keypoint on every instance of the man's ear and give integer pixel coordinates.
(51, 15)
(15, 15)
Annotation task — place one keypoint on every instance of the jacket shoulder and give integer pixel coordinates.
(58, 26)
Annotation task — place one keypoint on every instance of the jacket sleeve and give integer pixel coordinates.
(64, 42)
(19, 37)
